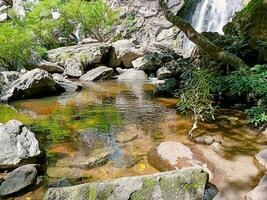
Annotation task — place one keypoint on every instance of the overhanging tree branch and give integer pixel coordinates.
(211, 49)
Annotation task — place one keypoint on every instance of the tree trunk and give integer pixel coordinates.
(207, 46)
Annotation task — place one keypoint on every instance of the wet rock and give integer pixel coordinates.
(218, 148)
(7, 77)
(167, 185)
(34, 83)
(262, 158)
(50, 67)
(259, 192)
(206, 139)
(96, 158)
(63, 182)
(68, 85)
(124, 53)
(18, 180)
(125, 137)
(210, 192)
(73, 69)
(99, 73)
(89, 41)
(166, 89)
(171, 155)
(127, 161)
(120, 70)
(133, 74)
(18, 145)
(86, 54)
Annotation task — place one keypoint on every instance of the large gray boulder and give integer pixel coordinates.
(86, 54)
(73, 69)
(68, 85)
(18, 179)
(133, 74)
(185, 184)
(259, 192)
(99, 73)
(172, 69)
(18, 145)
(32, 84)
(124, 52)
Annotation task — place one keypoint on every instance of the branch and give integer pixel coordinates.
(211, 49)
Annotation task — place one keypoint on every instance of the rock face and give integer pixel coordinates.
(74, 69)
(170, 156)
(68, 85)
(166, 89)
(124, 53)
(146, 23)
(18, 179)
(86, 54)
(262, 158)
(186, 184)
(18, 145)
(32, 84)
(99, 73)
(171, 69)
(7, 77)
(133, 74)
(259, 192)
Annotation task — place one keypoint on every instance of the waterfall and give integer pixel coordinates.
(212, 15)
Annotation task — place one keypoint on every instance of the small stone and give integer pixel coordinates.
(206, 139)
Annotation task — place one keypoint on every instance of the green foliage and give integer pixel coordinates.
(95, 17)
(197, 93)
(257, 115)
(16, 46)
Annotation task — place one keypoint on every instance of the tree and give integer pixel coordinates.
(211, 49)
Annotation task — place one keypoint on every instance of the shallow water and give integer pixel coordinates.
(126, 117)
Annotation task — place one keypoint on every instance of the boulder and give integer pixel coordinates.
(73, 69)
(124, 52)
(99, 73)
(6, 77)
(171, 155)
(68, 85)
(167, 89)
(259, 192)
(50, 67)
(18, 180)
(186, 184)
(171, 69)
(34, 83)
(18, 145)
(96, 158)
(133, 74)
(262, 158)
(86, 54)
(3, 17)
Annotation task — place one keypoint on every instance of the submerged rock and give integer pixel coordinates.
(99, 73)
(262, 158)
(34, 83)
(68, 85)
(186, 184)
(18, 179)
(171, 155)
(96, 158)
(133, 74)
(259, 192)
(18, 145)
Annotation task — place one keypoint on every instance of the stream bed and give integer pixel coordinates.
(124, 118)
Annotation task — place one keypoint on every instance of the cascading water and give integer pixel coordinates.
(212, 15)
